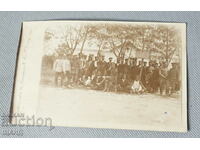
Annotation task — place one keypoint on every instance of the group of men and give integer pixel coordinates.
(124, 75)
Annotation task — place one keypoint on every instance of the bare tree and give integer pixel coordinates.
(84, 35)
(166, 42)
(72, 39)
(75, 36)
(121, 39)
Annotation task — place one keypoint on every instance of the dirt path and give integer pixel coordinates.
(89, 108)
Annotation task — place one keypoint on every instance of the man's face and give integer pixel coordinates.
(173, 66)
(93, 58)
(164, 65)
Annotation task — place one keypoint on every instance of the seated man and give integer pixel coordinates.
(124, 84)
(137, 86)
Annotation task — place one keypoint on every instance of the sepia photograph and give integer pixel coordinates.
(104, 74)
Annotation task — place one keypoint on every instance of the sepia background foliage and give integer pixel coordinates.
(162, 41)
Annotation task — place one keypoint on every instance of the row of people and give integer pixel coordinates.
(125, 75)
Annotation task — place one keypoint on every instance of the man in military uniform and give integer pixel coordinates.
(133, 69)
(155, 78)
(76, 69)
(67, 70)
(163, 73)
(109, 66)
(90, 66)
(173, 77)
(120, 69)
(139, 69)
(126, 69)
(144, 73)
(102, 65)
(111, 77)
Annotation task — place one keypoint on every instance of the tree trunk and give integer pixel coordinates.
(74, 48)
(167, 55)
(84, 40)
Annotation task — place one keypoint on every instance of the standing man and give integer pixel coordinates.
(67, 70)
(109, 66)
(144, 73)
(163, 72)
(77, 69)
(121, 68)
(82, 68)
(126, 69)
(103, 66)
(133, 69)
(173, 77)
(149, 78)
(58, 69)
(155, 78)
(90, 67)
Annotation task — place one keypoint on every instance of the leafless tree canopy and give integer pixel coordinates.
(121, 39)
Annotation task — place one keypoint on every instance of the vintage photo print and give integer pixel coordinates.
(103, 74)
